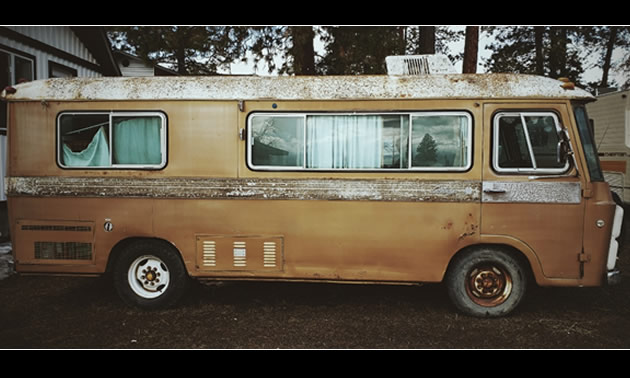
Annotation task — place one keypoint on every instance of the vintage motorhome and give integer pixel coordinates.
(483, 182)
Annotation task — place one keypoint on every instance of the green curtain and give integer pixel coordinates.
(137, 141)
(96, 154)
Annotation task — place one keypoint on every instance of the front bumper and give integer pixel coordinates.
(614, 276)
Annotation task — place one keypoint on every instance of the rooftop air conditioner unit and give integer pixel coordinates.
(419, 65)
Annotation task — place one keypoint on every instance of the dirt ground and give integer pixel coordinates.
(70, 312)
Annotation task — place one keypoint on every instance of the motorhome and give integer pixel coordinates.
(483, 182)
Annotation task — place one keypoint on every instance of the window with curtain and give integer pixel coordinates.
(112, 140)
(396, 141)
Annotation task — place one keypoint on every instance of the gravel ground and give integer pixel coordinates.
(74, 312)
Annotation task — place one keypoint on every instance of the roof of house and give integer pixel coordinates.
(452, 86)
(95, 39)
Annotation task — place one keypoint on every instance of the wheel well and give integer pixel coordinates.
(514, 252)
(117, 250)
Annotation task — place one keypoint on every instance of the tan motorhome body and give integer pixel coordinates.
(358, 226)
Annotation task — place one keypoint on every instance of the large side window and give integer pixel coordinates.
(391, 141)
(356, 141)
(277, 141)
(112, 140)
(440, 141)
(526, 142)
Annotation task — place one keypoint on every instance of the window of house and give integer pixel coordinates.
(14, 69)
(59, 70)
(527, 142)
(387, 141)
(112, 140)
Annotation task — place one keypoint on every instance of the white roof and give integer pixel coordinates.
(491, 86)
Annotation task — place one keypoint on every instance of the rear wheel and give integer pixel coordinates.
(150, 274)
(486, 282)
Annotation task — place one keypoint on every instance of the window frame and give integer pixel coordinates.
(52, 66)
(16, 53)
(12, 54)
(111, 115)
(522, 114)
(409, 114)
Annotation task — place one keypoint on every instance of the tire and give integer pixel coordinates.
(486, 282)
(150, 274)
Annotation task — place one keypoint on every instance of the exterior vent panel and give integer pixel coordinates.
(55, 242)
(63, 251)
(239, 253)
(419, 65)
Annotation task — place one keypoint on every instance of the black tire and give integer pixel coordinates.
(150, 274)
(486, 282)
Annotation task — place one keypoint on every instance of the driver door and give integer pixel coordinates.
(529, 198)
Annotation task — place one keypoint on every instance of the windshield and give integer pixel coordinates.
(590, 150)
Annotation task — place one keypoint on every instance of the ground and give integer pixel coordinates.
(71, 312)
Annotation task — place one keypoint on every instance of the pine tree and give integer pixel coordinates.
(190, 50)
(548, 51)
(426, 152)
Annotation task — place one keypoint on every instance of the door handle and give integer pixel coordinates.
(494, 191)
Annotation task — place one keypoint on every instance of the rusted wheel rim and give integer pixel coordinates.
(488, 285)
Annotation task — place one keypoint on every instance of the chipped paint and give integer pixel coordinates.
(225, 188)
(532, 192)
(364, 87)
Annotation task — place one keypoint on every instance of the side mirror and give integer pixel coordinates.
(563, 149)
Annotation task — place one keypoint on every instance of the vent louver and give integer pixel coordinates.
(63, 251)
(209, 258)
(239, 254)
(269, 254)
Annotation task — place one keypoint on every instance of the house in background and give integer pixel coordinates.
(41, 52)
(131, 65)
(611, 121)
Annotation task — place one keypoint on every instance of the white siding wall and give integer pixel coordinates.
(60, 37)
(136, 68)
(611, 114)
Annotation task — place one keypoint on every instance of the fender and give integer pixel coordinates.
(531, 257)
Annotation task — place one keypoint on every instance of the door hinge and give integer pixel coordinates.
(241, 134)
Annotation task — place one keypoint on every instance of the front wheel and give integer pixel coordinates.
(150, 274)
(486, 282)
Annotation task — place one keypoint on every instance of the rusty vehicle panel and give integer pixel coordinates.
(210, 213)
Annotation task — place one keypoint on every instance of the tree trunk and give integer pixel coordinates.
(558, 61)
(470, 49)
(538, 40)
(427, 40)
(180, 50)
(303, 51)
(609, 50)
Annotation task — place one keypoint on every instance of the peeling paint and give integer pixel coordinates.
(226, 188)
(532, 192)
(490, 86)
